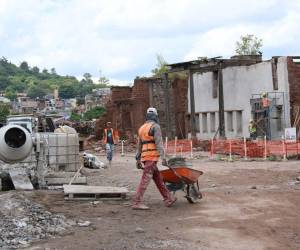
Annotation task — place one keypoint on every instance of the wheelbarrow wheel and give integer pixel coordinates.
(193, 194)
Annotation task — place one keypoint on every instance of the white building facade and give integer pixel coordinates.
(241, 84)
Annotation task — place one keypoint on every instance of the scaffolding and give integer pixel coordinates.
(267, 118)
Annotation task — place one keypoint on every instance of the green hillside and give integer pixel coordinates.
(37, 83)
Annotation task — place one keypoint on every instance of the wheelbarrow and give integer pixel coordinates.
(185, 179)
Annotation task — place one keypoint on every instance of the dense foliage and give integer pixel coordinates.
(37, 83)
(75, 117)
(4, 112)
(94, 113)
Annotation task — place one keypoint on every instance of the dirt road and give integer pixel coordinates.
(246, 205)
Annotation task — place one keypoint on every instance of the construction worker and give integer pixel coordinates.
(150, 148)
(265, 100)
(110, 138)
(252, 129)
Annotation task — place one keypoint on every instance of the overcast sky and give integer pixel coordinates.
(122, 37)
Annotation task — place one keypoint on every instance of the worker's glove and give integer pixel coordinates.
(139, 164)
(164, 162)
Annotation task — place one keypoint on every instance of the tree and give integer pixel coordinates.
(11, 95)
(4, 82)
(67, 90)
(17, 86)
(103, 81)
(53, 71)
(36, 91)
(35, 70)
(15, 79)
(248, 45)
(161, 66)
(94, 113)
(87, 78)
(24, 66)
(4, 111)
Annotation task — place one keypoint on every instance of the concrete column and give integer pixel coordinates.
(208, 123)
(221, 104)
(192, 104)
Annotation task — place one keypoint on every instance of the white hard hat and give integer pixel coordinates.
(264, 94)
(152, 110)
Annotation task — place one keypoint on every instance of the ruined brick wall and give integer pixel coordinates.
(140, 102)
(114, 110)
(120, 93)
(177, 98)
(151, 91)
(294, 84)
(180, 107)
(161, 95)
(127, 107)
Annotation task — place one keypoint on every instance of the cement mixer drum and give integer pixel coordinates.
(15, 143)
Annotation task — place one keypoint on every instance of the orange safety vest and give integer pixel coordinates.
(149, 151)
(114, 136)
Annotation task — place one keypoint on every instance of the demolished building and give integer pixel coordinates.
(128, 105)
(224, 94)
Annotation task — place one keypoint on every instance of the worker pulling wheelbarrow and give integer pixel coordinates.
(179, 176)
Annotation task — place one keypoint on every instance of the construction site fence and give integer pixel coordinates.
(255, 148)
(260, 148)
(176, 147)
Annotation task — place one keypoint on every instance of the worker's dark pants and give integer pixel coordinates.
(253, 136)
(151, 172)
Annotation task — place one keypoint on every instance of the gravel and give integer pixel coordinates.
(23, 221)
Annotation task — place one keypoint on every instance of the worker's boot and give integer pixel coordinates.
(140, 207)
(169, 203)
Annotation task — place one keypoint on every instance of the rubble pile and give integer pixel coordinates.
(23, 221)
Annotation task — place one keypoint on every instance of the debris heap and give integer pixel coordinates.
(23, 221)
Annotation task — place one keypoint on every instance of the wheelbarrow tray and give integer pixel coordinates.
(179, 174)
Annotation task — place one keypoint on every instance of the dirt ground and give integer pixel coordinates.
(246, 205)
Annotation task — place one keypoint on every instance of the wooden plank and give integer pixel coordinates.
(20, 179)
(79, 189)
(88, 197)
(60, 181)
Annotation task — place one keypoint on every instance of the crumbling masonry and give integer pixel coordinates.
(128, 105)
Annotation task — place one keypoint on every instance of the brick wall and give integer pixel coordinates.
(294, 83)
(140, 102)
(120, 93)
(127, 107)
(180, 107)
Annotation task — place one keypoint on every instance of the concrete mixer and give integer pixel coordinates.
(41, 152)
(15, 143)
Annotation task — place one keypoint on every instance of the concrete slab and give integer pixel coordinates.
(20, 179)
(79, 192)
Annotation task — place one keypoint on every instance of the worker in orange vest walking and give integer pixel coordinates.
(149, 149)
(110, 138)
